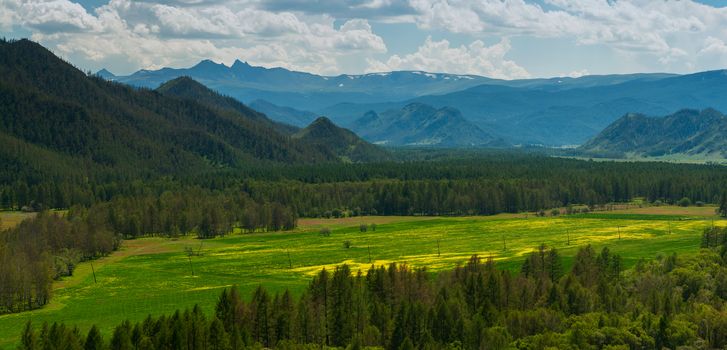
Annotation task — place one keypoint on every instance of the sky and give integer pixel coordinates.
(507, 39)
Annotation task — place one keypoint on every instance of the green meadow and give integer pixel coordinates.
(157, 276)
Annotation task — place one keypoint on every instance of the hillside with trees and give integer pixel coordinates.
(423, 125)
(687, 132)
(340, 142)
(51, 109)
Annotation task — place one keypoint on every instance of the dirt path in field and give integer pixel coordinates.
(707, 211)
(308, 223)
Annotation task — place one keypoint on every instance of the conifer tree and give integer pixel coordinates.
(29, 341)
(94, 341)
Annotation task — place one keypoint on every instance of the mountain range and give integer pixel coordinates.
(417, 124)
(52, 113)
(553, 112)
(55, 119)
(687, 132)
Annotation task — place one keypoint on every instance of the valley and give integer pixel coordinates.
(154, 275)
(446, 198)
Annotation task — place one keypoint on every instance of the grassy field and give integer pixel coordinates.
(155, 276)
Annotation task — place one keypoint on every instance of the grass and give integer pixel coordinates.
(154, 275)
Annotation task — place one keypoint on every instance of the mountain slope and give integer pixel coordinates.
(687, 132)
(186, 87)
(554, 111)
(281, 114)
(552, 115)
(340, 142)
(45, 103)
(420, 124)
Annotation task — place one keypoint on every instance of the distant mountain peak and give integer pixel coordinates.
(209, 62)
(104, 73)
(240, 64)
(183, 83)
(323, 127)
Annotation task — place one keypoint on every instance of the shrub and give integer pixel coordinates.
(684, 202)
(346, 244)
(325, 232)
(363, 228)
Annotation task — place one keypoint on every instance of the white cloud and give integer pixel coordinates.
(578, 73)
(151, 35)
(668, 31)
(322, 35)
(714, 46)
(49, 16)
(439, 56)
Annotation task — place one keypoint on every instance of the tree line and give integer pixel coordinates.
(456, 187)
(204, 213)
(668, 302)
(50, 245)
(44, 248)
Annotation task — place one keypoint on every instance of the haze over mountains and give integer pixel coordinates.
(553, 112)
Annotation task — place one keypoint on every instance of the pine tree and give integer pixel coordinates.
(723, 205)
(121, 339)
(555, 265)
(341, 303)
(218, 339)
(29, 339)
(94, 341)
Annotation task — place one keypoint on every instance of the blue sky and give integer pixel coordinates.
(502, 39)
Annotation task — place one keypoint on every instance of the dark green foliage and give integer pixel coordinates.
(48, 106)
(722, 210)
(187, 88)
(29, 340)
(94, 340)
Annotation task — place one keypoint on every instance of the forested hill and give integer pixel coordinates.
(341, 142)
(687, 132)
(54, 119)
(186, 87)
(420, 124)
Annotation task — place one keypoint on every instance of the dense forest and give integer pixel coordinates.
(670, 302)
(505, 181)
